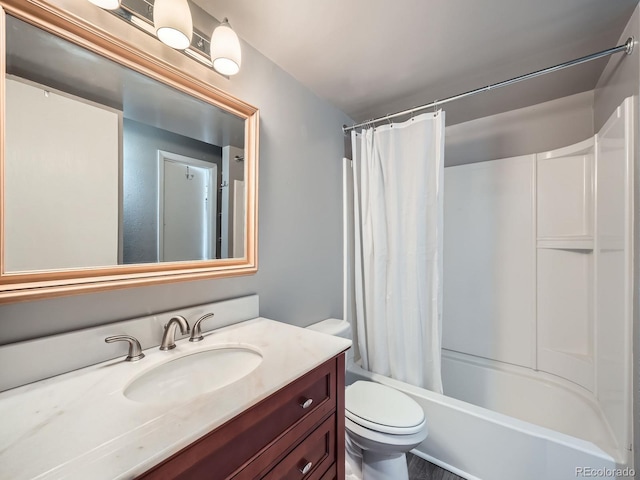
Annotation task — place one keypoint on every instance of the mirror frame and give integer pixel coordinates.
(23, 286)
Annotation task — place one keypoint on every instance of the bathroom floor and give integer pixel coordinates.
(420, 469)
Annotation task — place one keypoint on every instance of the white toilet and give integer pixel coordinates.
(382, 423)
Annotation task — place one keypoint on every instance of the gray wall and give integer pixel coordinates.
(539, 128)
(140, 183)
(621, 79)
(300, 213)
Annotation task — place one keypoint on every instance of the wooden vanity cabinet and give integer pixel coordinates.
(285, 436)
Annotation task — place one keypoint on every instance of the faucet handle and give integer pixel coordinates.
(135, 351)
(196, 332)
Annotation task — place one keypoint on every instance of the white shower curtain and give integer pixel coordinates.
(398, 212)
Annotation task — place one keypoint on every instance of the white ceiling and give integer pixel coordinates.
(373, 57)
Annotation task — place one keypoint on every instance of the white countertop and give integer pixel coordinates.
(80, 425)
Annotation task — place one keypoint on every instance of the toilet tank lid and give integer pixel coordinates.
(383, 408)
(333, 326)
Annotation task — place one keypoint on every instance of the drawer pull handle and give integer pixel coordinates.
(307, 403)
(306, 468)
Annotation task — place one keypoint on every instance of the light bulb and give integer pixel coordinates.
(226, 54)
(173, 23)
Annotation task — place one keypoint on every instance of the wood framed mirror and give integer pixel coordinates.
(117, 168)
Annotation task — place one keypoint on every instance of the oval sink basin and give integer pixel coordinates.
(192, 375)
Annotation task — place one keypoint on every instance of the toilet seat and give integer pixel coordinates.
(383, 409)
(365, 438)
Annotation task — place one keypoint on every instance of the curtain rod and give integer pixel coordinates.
(627, 47)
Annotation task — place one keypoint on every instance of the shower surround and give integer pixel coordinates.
(538, 277)
(536, 362)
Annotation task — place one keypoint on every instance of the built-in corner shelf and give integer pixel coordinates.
(565, 201)
(567, 242)
(586, 147)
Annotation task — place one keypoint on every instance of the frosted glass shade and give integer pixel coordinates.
(107, 4)
(173, 23)
(226, 54)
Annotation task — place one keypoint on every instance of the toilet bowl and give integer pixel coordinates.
(381, 423)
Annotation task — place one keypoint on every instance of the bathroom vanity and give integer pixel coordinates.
(291, 434)
(281, 418)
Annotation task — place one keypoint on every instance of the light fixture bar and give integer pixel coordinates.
(139, 13)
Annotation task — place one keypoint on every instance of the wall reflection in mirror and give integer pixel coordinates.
(105, 166)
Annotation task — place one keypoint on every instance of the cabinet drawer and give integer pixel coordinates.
(311, 458)
(310, 396)
(227, 450)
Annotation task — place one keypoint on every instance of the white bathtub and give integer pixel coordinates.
(501, 441)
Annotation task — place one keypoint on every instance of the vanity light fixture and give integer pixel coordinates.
(173, 23)
(107, 4)
(226, 54)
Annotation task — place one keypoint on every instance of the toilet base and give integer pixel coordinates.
(353, 460)
(371, 465)
(380, 466)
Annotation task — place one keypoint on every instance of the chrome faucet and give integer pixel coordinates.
(196, 333)
(169, 337)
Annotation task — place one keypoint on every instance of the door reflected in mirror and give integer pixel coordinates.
(105, 166)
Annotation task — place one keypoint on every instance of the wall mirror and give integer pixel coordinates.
(117, 169)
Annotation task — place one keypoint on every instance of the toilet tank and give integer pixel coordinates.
(337, 328)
